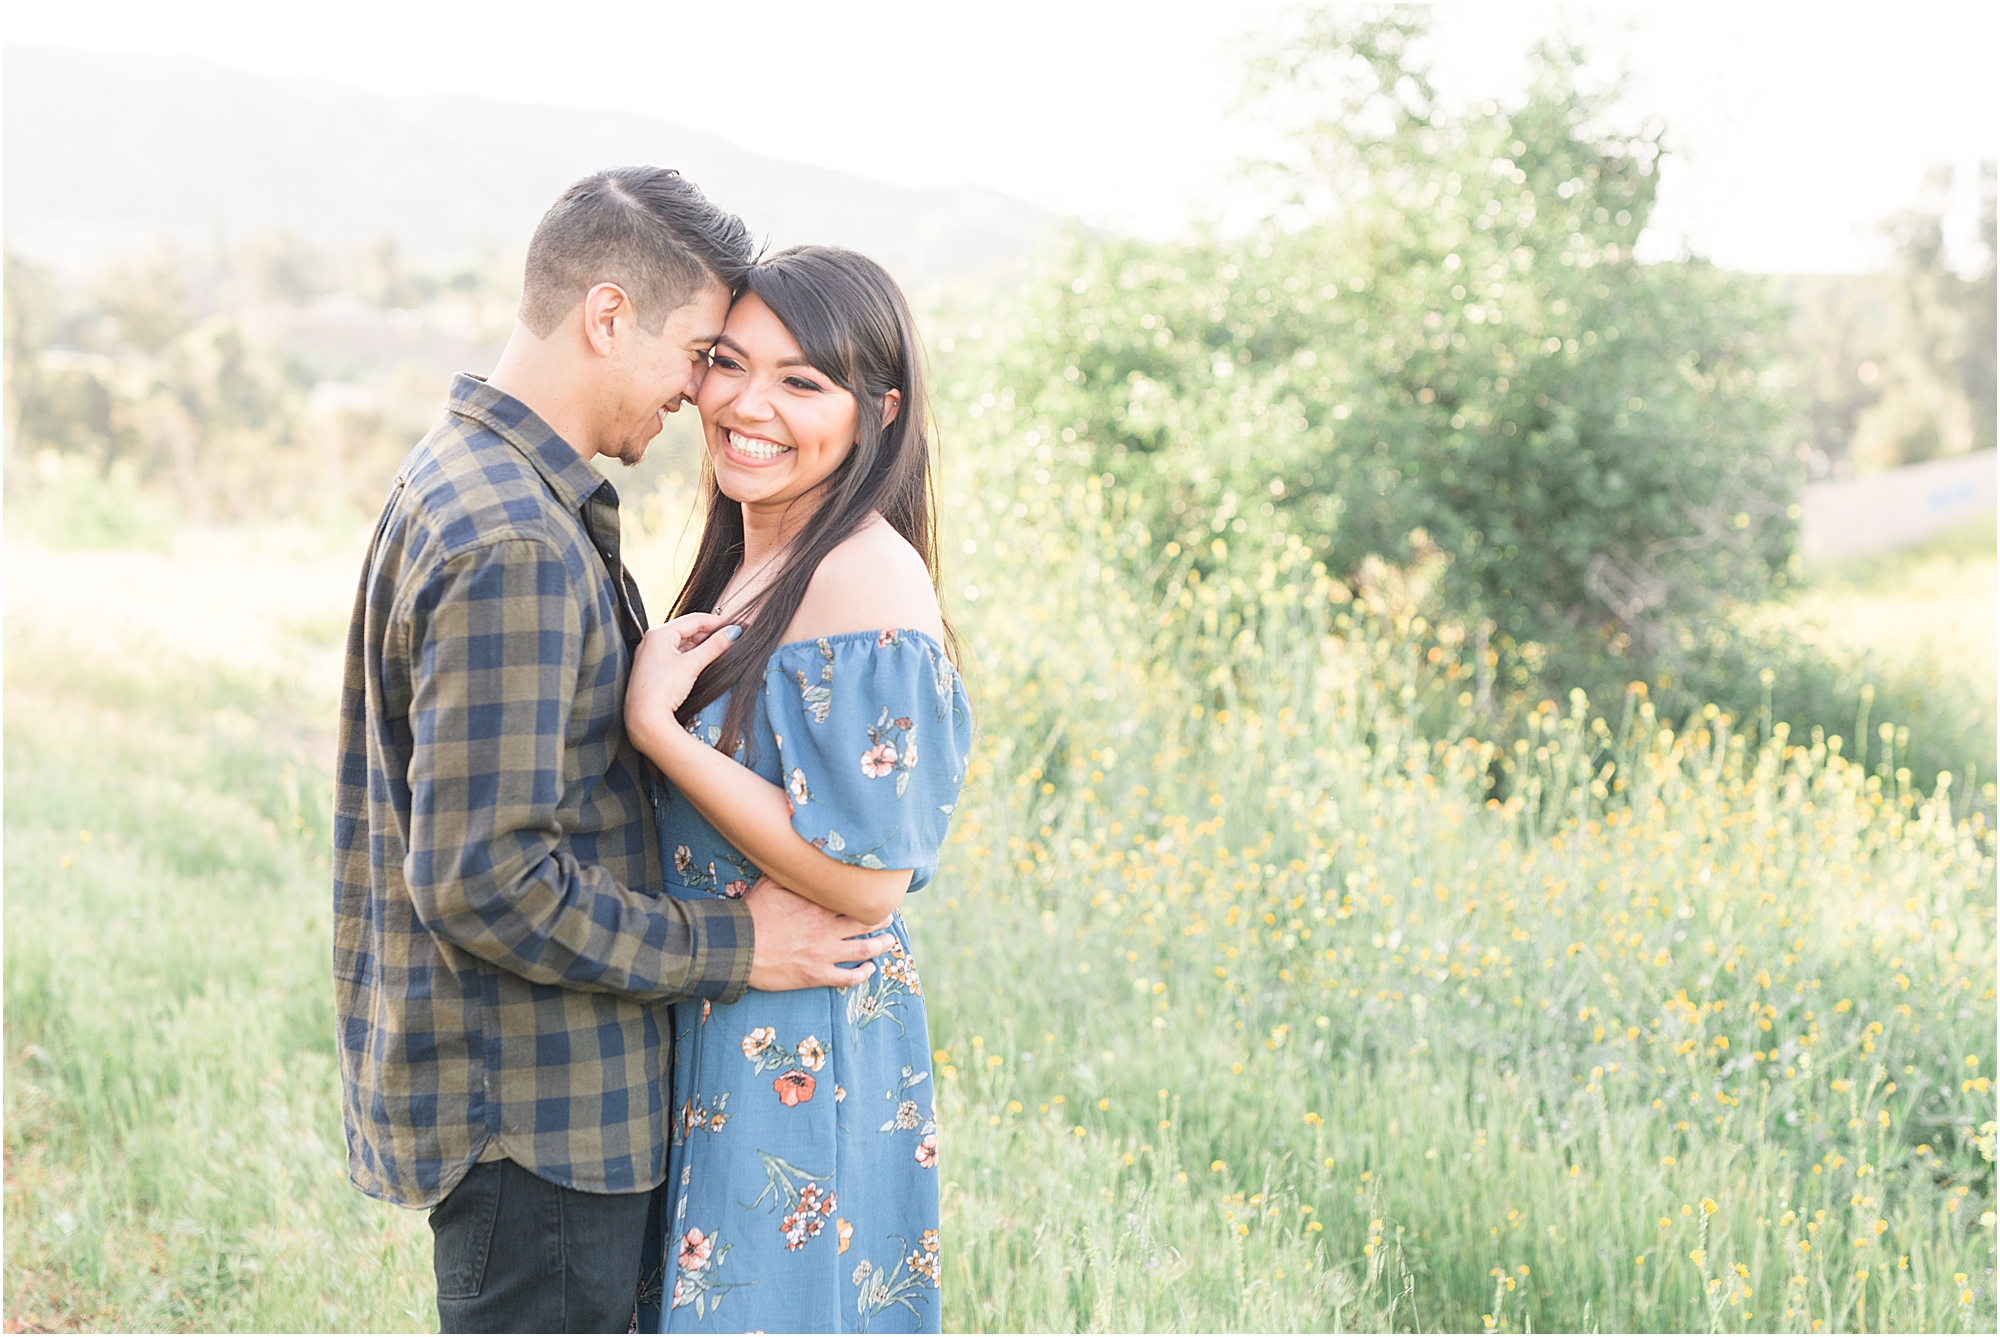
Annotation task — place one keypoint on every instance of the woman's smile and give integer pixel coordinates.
(754, 450)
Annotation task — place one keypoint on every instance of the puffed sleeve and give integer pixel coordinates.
(873, 731)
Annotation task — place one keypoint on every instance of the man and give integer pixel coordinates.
(502, 952)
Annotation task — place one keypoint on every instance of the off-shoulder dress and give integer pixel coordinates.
(802, 1179)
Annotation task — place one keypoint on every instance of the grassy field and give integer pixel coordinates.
(173, 1143)
(1255, 1010)
(1918, 626)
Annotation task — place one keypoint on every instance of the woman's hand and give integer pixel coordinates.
(670, 657)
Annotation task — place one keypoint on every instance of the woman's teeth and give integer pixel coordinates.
(755, 449)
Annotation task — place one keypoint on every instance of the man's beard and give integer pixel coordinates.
(633, 452)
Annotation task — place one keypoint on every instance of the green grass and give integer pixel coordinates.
(1917, 629)
(174, 1157)
(67, 502)
(1242, 944)
(1209, 949)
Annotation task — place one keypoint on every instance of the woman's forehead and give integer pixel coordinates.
(754, 327)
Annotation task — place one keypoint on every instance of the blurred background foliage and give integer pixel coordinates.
(1897, 368)
(1439, 350)
(249, 380)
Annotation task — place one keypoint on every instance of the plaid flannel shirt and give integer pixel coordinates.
(503, 950)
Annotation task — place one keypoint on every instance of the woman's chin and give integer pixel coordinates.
(751, 483)
(747, 491)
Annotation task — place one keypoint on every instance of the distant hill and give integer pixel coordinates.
(107, 152)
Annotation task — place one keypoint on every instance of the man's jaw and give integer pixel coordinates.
(636, 451)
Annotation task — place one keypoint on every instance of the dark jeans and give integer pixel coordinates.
(518, 1254)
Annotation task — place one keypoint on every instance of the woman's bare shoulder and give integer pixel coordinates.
(873, 579)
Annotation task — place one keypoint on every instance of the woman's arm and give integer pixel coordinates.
(873, 579)
(755, 816)
(751, 813)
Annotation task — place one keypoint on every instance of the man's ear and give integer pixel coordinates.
(605, 308)
(892, 404)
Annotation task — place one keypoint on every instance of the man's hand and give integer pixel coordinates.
(799, 944)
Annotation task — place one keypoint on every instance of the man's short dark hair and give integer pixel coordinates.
(646, 229)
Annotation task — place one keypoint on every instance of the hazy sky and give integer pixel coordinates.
(1796, 127)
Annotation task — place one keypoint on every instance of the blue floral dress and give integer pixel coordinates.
(802, 1181)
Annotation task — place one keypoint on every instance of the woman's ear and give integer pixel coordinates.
(892, 404)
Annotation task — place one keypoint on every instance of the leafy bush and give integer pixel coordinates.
(1464, 356)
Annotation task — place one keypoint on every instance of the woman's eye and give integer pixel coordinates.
(801, 383)
(723, 360)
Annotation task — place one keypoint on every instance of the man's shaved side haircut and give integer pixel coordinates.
(646, 229)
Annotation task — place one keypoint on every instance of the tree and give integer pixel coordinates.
(1937, 368)
(61, 393)
(1444, 339)
(148, 302)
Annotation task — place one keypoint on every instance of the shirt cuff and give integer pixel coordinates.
(725, 940)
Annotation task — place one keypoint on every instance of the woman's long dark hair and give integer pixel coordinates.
(852, 324)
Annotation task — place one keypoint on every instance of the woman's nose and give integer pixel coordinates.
(754, 399)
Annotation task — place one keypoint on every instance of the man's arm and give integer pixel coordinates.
(494, 641)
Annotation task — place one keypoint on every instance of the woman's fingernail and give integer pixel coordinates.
(732, 632)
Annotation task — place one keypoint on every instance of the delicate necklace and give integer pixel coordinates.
(724, 603)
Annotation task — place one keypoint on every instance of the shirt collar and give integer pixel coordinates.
(567, 473)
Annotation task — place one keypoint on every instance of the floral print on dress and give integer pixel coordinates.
(695, 874)
(795, 1067)
(818, 696)
(699, 1257)
(892, 750)
(880, 1290)
(808, 1204)
(883, 995)
(685, 865)
(808, 1218)
(806, 1142)
(835, 844)
(697, 1115)
(909, 1117)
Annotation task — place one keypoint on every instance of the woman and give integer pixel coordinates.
(823, 748)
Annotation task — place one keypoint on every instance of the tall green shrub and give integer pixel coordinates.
(1460, 350)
